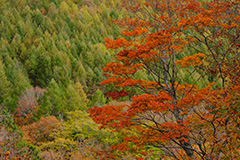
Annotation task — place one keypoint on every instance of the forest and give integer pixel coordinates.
(119, 79)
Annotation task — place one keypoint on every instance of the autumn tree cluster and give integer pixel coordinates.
(187, 107)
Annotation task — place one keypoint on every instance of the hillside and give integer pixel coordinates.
(51, 56)
(119, 79)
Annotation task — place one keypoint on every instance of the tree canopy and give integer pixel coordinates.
(164, 86)
(180, 44)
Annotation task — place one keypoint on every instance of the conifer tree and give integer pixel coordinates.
(75, 98)
(98, 99)
(5, 90)
(54, 99)
(82, 96)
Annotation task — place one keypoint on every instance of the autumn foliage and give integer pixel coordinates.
(172, 114)
(117, 94)
(28, 105)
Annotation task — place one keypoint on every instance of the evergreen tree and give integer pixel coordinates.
(98, 99)
(5, 90)
(54, 99)
(75, 98)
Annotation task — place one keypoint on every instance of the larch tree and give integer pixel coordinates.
(169, 113)
(4, 86)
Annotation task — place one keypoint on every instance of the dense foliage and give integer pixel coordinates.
(172, 41)
(51, 56)
(169, 87)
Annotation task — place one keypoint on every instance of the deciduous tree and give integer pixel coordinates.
(28, 105)
(39, 132)
(171, 114)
